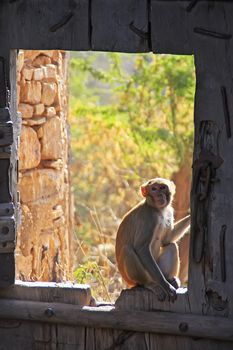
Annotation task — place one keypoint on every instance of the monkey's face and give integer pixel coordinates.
(158, 192)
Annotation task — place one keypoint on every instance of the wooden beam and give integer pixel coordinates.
(98, 25)
(45, 24)
(107, 317)
(70, 293)
(6, 133)
(8, 161)
(5, 196)
(7, 269)
(211, 260)
(171, 26)
(120, 25)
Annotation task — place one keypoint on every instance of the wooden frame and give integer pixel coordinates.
(203, 28)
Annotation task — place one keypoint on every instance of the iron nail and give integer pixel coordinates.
(49, 312)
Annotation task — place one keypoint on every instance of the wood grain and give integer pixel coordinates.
(208, 292)
(70, 293)
(120, 25)
(47, 24)
(170, 27)
(106, 317)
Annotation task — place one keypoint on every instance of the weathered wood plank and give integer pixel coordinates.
(6, 209)
(209, 293)
(19, 335)
(5, 152)
(7, 229)
(120, 25)
(107, 339)
(5, 195)
(8, 170)
(90, 338)
(170, 27)
(6, 133)
(161, 342)
(3, 90)
(7, 270)
(70, 293)
(106, 317)
(27, 335)
(16, 120)
(4, 111)
(145, 300)
(70, 338)
(46, 24)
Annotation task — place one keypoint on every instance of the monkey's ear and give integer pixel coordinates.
(144, 190)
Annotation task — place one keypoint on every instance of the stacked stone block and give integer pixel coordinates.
(44, 243)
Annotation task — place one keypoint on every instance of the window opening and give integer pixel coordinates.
(131, 119)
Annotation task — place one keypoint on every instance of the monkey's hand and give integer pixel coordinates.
(170, 292)
(175, 282)
(163, 292)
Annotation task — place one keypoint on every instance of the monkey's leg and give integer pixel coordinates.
(168, 261)
(135, 274)
(131, 267)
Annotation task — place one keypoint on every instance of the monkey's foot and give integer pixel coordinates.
(175, 282)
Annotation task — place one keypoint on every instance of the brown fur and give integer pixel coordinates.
(146, 249)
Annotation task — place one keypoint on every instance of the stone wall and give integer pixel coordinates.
(44, 243)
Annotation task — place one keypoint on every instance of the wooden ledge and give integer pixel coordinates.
(142, 299)
(69, 293)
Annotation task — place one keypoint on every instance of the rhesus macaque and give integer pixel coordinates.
(146, 249)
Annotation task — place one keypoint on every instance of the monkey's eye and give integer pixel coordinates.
(153, 188)
(163, 187)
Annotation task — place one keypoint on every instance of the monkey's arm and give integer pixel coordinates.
(180, 228)
(154, 271)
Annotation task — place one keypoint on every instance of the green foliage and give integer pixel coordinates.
(131, 119)
(90, 273)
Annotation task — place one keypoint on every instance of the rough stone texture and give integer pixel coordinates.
(41, 60)
(52, 146)
(38, 74)
(50, 112)
(45, 240)
(39, 131)
(27, 73)
(29, 151)
(50, 72)
(27, 231)
(30, 92)
(35, 121)
(49, 93)
(20, 62)
(39, 109)
(39, 184)
(26, 110)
